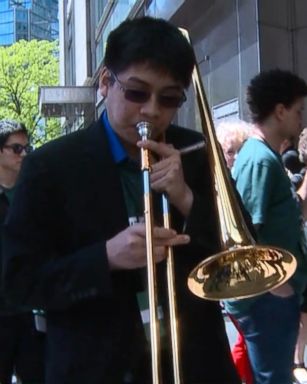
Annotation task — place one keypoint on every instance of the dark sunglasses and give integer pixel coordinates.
(18, 148)
(141, 96)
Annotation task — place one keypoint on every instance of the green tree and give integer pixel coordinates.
(24, 66)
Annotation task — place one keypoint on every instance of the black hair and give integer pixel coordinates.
(153, 41)
(9, 127)
(273, 87)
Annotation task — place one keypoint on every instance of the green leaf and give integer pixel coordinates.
(24, 66)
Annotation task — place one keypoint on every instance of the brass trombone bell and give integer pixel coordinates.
(241, 272)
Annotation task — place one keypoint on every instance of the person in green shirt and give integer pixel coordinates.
(270, 321)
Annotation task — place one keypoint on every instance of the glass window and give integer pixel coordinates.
(21, 27)
(71, 61)
(44, 19)
(55, 29)
(27, 4)
(119, 12)
(16, 3)
(98, 9)
(22, 15)
(7, 39)
(6, 16)
(3, 5)
(19, 4)
(43, 15)
(99, 51)
(7, 28)
(22, 36)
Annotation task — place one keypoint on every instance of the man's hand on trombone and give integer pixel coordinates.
(167, 175)
(127, 250)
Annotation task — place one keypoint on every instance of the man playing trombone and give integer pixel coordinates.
(75, 242)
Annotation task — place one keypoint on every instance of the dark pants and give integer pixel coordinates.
(22, 349)
(270, 331)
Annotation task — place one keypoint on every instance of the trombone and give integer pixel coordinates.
(242, 269)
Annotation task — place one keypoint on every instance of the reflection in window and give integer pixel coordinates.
(119, 12)
(99, 7)
(7, 28)
(22, 15)
(36, 19)
(7, 39)
(6, 16)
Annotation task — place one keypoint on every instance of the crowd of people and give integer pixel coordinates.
(74, 237)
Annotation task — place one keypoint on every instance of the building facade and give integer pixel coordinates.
(233, 41)
(27, 20)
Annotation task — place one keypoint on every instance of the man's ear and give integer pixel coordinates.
(279, 111)
(104, 81)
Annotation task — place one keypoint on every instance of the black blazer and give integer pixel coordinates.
(68, 202)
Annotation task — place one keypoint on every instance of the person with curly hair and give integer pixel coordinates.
(231, 135)
(270, 321)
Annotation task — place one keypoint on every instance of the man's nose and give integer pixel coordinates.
(151, 107)
(23, 153)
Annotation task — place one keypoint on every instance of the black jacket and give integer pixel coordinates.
(68, 202)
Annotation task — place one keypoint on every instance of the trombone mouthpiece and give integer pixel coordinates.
(144, 129)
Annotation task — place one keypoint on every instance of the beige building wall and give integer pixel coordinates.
(233, 41)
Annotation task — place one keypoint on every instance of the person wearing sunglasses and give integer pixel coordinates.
(22, 351)
(14, 145)
(75, 241)
(18, 149)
